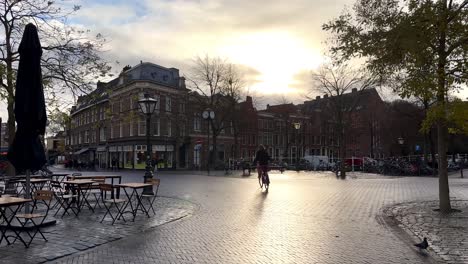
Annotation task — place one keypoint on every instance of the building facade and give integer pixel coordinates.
(108, 130)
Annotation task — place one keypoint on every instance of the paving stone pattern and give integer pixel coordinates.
(447, 234)
(71, 234)
(305, 218)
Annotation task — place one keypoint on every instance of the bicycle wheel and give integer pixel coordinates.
(265, 182)
(260, 181)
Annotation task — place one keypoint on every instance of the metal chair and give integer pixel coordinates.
(119, 203)
(151, 197)
(64, 199)
(46, 197)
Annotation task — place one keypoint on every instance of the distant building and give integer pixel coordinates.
(55, 147)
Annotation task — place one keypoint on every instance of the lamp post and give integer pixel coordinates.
(297, 126)
(147, 107)
(401, 141)
(208, 115)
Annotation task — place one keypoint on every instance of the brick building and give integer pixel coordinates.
(108, 129)
(364, 111)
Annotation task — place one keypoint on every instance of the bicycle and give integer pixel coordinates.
(263, 180)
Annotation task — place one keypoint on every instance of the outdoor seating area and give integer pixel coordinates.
(66, 197)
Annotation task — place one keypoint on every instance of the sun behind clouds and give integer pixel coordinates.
(278, 56)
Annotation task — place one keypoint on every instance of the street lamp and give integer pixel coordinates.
(208, 115)
(297, 126)
(401, 141)
(147, 107)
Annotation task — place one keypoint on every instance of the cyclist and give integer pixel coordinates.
(261, 159)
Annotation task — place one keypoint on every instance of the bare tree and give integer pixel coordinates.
(336, 82)
(70, 58)
(219, 84)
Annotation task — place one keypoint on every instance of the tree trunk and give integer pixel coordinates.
(444, 192)
(214, 153)
(342, 156)
(442, 129)
(433, 153)
(11, 131)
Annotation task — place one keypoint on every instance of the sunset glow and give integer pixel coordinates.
(277, 56)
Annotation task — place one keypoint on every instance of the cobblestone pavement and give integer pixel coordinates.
(71, 235)
(446, 234)
(305, 218)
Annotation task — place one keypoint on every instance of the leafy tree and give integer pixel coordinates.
(70, 59)
(421, 44)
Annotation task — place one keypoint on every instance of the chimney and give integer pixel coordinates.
(268, 106)
(317, 97)
(325, 96)
(354, 90)
(182, 82)
(248, 99)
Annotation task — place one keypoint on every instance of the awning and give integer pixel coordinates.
(101, 149)
(81, 151)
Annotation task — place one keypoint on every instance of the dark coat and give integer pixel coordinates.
(262, 157)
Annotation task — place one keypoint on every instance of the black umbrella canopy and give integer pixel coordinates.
(27, 151)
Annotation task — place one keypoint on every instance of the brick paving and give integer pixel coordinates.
(73, 234)
(446, 234)
(307, 217)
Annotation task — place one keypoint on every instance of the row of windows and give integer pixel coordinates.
(99, 114)
(89, 116)
(120, 129)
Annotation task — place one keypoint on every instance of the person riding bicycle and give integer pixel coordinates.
(262, 158)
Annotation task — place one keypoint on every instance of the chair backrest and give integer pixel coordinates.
(154, 182)
(56, 186)
(105, 187)
(2, 187)
(44, 195)
(99, 179)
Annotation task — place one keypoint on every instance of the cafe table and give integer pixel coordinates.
(36, 184)
(12, 204)
(81, 187)
(134, 198)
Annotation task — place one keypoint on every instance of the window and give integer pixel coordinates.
(80, 137)
(232, 128)
(112, 131)
(196, 156)
(156, 127)
(182, 129)
(131, 128)
(169, 128)
(93, 136)
(158, 99)
(120, 129)
(168, 103)
(197, 123)
(222, 131)
(181, 108)
(141, 128)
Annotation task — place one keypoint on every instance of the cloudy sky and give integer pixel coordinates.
(277, 42)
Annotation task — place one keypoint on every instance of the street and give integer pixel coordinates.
(307, 217)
